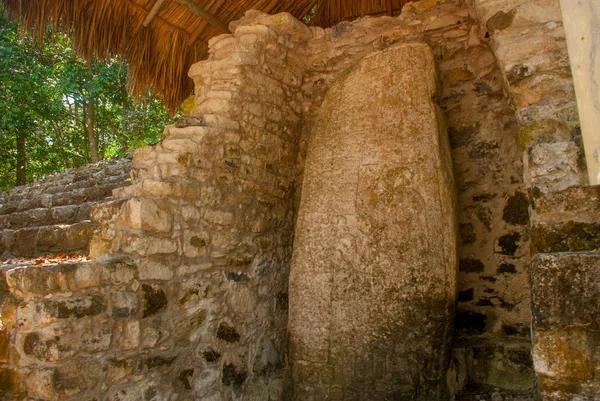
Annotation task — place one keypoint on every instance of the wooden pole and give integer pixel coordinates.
(201, 13)
(153, 12)
(214, 9)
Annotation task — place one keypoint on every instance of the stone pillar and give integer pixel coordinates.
(581, 20)
(373, 279)
(529, 41)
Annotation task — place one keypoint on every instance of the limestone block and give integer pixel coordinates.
(566, 316)
(553, 166)
(580, 204)
(373, 277)
(105, 211)
(147, 214)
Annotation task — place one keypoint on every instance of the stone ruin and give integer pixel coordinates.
(389, 209)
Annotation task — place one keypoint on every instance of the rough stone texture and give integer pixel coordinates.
(529, 41)
(566, 318)
(53, 215)
(208, 222)
(531, 49)
(485, 152)
(373, 277)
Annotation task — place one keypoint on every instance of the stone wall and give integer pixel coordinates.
(187, 297)
(53, 215)
(529, 41)
(209, 223)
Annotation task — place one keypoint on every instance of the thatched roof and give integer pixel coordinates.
(161, 39)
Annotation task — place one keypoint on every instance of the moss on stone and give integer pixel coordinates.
(545, 131)
(500, 21)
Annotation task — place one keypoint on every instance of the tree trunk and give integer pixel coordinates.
(21, 161)
(91, 116)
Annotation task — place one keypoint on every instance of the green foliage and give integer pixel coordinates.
(45, 95)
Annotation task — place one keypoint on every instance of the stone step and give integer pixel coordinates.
(35, 241)
(488, 362)
(68, 214)
(487, 393)
(105, 211)
(63, 198)
(580, 203)
(566, 321)
(567, 220)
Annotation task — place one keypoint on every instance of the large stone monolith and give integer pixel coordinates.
(373, 279)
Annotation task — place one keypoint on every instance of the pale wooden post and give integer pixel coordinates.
(581, 19)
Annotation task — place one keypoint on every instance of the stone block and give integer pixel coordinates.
(154, 300)
(64, 214)
(65, 239)
(64, 382)
(4, 344)
(118, 272)
(146, 245)
(566, 362)
(25, 244)
(43, 280)
(501, 364)
(566, 344)
(570, 236)
(76, 307)
(124, 304)
(147, 214)
(565, 290)
(580, 203)
(553, 166)
(130, 335)
(154, 270)
(105, 211)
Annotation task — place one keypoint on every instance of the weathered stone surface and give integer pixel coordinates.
(51, 216)
(564, 290)
(502, 362)
(231, 184)
(566, 313)
(374, 253)
(581, 204)
(569, 236)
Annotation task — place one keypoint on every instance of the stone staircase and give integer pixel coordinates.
(52, 216)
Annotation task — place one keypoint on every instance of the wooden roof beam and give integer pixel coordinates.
(196, 9)
(214, 9)
(158, 18)
(153, 12)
